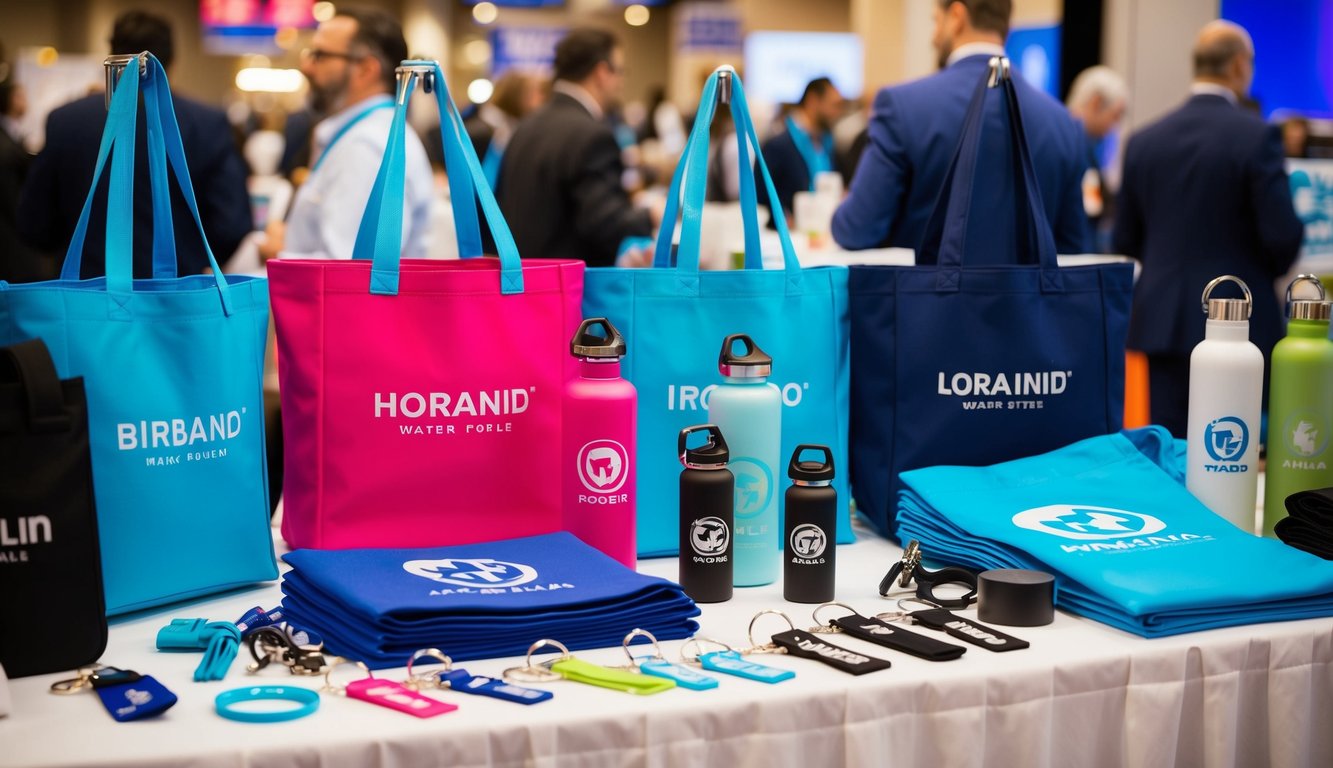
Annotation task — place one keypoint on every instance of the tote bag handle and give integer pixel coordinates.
(691, 173)
(946, 231)
(164, 140)
(380, 237)
(41, 386)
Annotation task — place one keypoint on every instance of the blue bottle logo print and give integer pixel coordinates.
(1226, 439)
(754, 486)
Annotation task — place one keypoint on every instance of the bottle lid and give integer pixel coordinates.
(752, 364)
(811, 472)
(713, 454)
(586, 344)
(1309, 309)
(1016, 598)
(1227, 309)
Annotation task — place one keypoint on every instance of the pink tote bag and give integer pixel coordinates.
(421, 399)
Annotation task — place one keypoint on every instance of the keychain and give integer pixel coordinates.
(384, 693)
(463, 682)
(730, 661)
(909, 569)
(570, 668)
(808, 646)
(940, 618)
(272, 644)
(874, 630)
(658, 666)
(127, 695)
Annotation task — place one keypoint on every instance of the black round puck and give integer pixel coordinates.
(1016, 598)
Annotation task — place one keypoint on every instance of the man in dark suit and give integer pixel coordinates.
(559, 183)
(63, 171)
(798, 154)
(914, 130)
(1204, 193)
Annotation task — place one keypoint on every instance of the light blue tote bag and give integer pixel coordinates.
(173, 369)
(676, 316)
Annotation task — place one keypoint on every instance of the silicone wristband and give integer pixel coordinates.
(308, 699)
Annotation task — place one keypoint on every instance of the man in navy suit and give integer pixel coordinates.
(914, 130)
(1204, 193)
(61, 174)
(798, 154)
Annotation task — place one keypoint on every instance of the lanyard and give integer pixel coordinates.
(347, 126)
(816, 162)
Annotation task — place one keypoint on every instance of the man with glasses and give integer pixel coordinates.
(560, 179)
(350, 67)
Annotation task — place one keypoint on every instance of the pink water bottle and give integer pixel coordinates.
(599, 438)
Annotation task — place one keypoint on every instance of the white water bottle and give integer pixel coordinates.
(1226, 394)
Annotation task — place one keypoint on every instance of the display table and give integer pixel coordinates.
(1083, 694)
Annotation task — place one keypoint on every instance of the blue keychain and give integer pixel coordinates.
(127, 695)
(464, 682)
(657, 665)
(730, 662)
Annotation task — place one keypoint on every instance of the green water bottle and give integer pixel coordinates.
(1300, 404)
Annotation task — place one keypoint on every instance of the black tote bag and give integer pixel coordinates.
(52, 614)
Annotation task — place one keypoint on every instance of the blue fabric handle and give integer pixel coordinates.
(380, 236)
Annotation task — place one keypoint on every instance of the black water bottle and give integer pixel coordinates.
(707, 498)
(810, 531)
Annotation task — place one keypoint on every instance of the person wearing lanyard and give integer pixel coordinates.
(350, 67)
(804, 150)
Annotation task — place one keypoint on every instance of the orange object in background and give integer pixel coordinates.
(1136, 390)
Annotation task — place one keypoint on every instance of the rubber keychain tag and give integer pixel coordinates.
(879, 632)
(964, 629)
(805, 645)
(127, 695)
(731, 662)
(658, 666)
(577, 670)
(463, 682)
(385, 693)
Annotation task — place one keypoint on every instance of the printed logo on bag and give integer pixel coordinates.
(1128, 530)
(479, 576)
(687, 397)
(1225, 440)
(603, 466)
(453, 413)
(807, 543)
(199, 436)
(754, 492)
(22, 532)
(1021, 390)
(1306, 436)
(709, 538)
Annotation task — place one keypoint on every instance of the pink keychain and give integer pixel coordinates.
(385, 693)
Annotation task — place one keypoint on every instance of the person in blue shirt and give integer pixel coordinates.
(798, 154)
(914, 130)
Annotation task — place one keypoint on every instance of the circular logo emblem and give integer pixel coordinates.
(1306, 434)
(808, 541)
(1226, 438)
(603, 466)
(709, 536)
(472, 572)
(754, 486)
(1073, 521)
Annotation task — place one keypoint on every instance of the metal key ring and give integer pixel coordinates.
(338, 661)
(427, 679)
(698, 643)
(657, 649)
(923, 601)
(768, 647)
(831, 604)
(268, 645)
(533, 673)
(77, 684)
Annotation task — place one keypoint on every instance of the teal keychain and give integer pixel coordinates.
(658, 666)
(730, 661)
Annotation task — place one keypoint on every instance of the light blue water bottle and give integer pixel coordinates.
(748, 410)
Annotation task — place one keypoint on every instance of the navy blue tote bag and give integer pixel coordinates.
(975, 365)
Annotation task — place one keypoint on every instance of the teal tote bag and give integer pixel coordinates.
(675, 316)
(173, 369)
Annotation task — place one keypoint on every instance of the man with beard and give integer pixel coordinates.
(805, 149)
(915, 128)
(350, 67)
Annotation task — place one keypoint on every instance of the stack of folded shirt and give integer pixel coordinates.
(1128, 545)
(478, 600)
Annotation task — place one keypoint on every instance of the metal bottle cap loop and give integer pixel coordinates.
(999, 71)
(427, 679)
(1308, 309)
(768, 647)
(341, 690)
(657, 649)
(1227, 309)
(116, 64)
(422, 70)
(698, 644)
(824, 626)
(920, 600)
(534, 673)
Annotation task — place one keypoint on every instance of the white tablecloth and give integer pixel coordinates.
(1083, 694)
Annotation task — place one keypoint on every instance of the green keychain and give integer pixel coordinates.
(568, 667)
